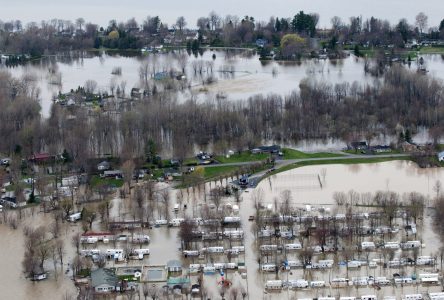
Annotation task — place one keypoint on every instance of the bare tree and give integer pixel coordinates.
(421, 21)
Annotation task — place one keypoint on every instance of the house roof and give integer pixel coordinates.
(96, 233)
(174, 264)
(103, 276)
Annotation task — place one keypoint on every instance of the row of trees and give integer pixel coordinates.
(56, 35)
(318, 110)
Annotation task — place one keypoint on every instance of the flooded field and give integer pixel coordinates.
(249, 77)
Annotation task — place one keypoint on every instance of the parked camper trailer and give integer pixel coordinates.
(176, 222)
(274, 285)
(436, 296)
(369, 297)
(268, 267)
(268, 247)
(411, 245)
(294, 246)
(75, 217)
(190, 253)
(412, 297)
(340, 282)
(298, 284)
(425, 260)
(391, 245)
(215, 249)
(368, 246)
(317, 284)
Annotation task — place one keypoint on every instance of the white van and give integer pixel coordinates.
(274, 285)
(219, 266)
(176, 208)
(268, 268)
(317, 284)
(294, 246)
(412, 297)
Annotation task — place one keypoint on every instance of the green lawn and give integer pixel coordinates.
(213, 172)
(295, 154)
(431, 50)
(242, 157)
(97, 181)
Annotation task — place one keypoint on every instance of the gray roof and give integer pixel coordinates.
(103, 276)
(174, 264)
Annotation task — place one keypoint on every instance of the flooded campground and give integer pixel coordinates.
(233, 243)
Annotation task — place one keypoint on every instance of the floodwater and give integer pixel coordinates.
(250, 77)
(13, 282)
(304, 184)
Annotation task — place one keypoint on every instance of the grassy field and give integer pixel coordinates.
(213, 172)
(97, 181)
(242, 157)
(295, 154)
(339, 161)
(431, 50)
(376, 153)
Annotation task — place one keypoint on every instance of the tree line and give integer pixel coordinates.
(402, 100)
(215, 30)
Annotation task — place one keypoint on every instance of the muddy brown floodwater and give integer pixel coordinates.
(304, 184)
(397, 176)
(13, 282)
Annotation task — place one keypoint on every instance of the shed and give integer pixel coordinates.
(174, 266)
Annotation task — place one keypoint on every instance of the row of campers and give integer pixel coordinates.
(212, 268)
(235, 250)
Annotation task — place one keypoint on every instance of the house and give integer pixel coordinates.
(104, 281)
(41, 157)
(409, 147)
(103, 166)
(361, 145)
(136, 93)
(174, 266)
(441, 156)
(260, 43)
(274, 149)
(112, 174)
